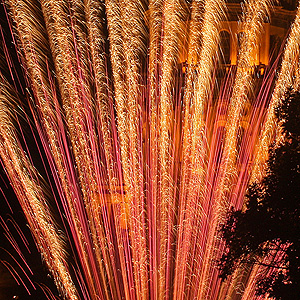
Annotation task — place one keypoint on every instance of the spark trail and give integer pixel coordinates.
(145, 151)
(30, 193)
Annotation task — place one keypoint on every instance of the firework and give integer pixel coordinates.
(145, 157)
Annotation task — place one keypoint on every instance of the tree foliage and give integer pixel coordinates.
(267, 232)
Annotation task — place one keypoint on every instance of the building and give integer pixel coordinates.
(274, 32)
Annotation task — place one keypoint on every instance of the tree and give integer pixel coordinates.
(267, 232)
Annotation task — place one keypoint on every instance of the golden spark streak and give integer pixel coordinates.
(134, 48)
(286, 79)
(155, 31)
(27, 185)
(252, 25)
(127, 31)
(94, 12)
(205, 32)
(33, 44)
(271, 129)
(69, 50)
(173, 27)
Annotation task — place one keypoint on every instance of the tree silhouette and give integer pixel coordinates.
(267, 232)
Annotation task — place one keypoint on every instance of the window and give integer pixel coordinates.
(225, 46)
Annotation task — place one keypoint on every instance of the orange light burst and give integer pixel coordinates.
(147, 145)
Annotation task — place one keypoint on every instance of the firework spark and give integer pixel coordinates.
(146, 157)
